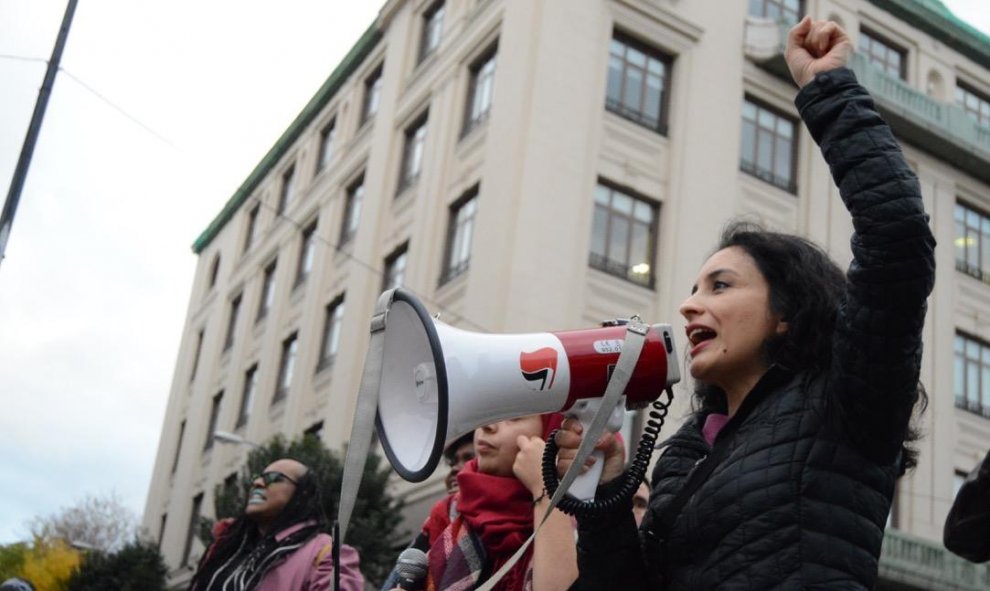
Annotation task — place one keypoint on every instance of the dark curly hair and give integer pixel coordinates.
(806, 288)
(242, 536)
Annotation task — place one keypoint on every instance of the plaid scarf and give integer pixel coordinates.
(493, 516)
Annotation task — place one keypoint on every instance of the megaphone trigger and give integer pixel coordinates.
(583, 487)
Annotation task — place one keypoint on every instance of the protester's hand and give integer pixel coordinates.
(528, 466)
(569, 439)
(815, 46)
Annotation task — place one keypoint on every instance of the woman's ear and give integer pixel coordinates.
(782, 327)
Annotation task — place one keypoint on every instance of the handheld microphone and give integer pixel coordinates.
(411, 569)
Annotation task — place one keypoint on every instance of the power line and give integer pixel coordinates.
(117, 107)
(336, 247)
(22, 58)
(95, 93)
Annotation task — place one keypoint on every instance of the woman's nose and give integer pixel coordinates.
(690, 307)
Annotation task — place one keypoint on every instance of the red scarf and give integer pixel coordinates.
(497, 509)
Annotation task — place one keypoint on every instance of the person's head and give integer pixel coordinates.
(763, 298)
(641, 500)
(495, 444)
(458, 453)
(283, 494)
(16, 584)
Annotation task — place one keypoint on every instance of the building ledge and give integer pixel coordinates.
(908, 562)
(941, 129)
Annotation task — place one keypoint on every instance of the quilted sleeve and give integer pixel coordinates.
(877, 345)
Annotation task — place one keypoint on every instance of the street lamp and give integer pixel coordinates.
(226, 437)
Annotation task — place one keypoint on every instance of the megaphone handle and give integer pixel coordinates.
(584, 486)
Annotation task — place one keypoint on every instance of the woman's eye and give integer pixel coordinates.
(719, 285)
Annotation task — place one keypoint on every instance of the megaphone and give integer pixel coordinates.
(439, 382)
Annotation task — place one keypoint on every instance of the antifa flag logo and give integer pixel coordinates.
(539, 367)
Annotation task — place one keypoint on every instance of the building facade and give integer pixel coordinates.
(529, 165)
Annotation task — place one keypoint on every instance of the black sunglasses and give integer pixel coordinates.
(272, 476)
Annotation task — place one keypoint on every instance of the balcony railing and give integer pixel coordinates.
(943, 129)
(909, 562)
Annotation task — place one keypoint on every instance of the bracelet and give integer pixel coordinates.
(540, 498)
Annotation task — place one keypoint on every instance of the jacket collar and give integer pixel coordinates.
(293, 529)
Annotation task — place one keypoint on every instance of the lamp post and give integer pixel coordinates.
(226, 437)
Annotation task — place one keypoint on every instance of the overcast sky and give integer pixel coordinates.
(161, 111)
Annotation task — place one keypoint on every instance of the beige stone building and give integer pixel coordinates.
(526, 165)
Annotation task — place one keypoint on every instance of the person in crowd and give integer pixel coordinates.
(500, 495)
(277, 543)
(457, 454)
(806, 380)
(967, 528)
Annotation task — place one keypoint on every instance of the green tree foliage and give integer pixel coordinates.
(373, 528)
(137, 566)
(12, 559)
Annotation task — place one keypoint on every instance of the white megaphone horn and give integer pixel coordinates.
(439, 382)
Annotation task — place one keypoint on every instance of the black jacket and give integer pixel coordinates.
(800, 497)
(967, 528)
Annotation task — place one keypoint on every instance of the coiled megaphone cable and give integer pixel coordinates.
(630, 480)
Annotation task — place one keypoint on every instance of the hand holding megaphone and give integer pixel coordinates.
(609, 455)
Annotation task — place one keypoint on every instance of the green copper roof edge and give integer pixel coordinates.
(368, 41)
(939, 22)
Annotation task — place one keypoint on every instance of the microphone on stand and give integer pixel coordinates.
(411, 569)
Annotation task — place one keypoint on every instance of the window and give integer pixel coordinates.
(352, 210)
(331, 332)
(623, 235)
(197, 504)
(975, 103)
(972, 374)
(267, 291)
(412, 154)
(316, 430)
(235, 307)
(161, 529)
(178, 445)
(214, 271)
(252, 227)
(883, 54)
(972, 242)
(327, 137)
(286, 367)
(768, 148)
(637, 83)
(307, 251)
(230, 486)
(288, 189)
(459, 233)
(432, 30)
(372, 94)
(480, 90)
(788, 11)
(196, 354)
(247, 398)
(395, 268)
(214, 415)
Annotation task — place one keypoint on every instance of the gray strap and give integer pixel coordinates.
(631, 349)
(364, 416)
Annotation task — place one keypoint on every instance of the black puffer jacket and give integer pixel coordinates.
(800, 497)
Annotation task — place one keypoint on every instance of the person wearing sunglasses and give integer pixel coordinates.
(278, 542)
